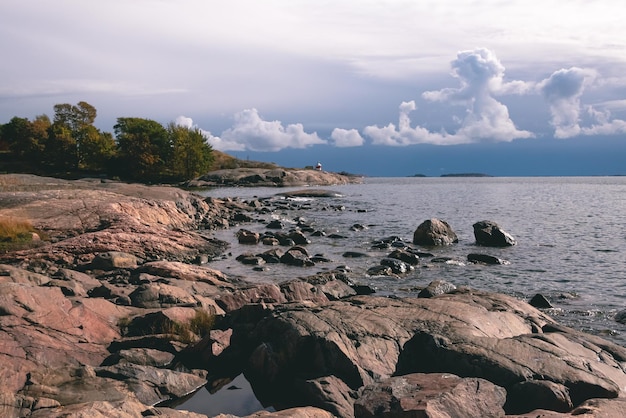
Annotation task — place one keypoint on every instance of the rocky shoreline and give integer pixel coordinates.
(115, 314)
(275, 177)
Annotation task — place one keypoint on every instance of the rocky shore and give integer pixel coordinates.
(115, 313)
(276, 177)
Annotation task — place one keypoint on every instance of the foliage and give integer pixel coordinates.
(191, 154)
(24, 138)
(70, 145)
(60, 152)
(143, 148)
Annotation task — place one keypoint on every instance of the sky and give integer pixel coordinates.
(380, 88)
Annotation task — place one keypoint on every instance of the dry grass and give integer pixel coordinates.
(16, 234)
(188, 332)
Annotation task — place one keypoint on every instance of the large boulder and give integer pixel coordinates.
(360, 340)
(489, 234)
(434, 232)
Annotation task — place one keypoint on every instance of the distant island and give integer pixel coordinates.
(456, 175)
(466, 175)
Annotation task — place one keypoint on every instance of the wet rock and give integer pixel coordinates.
(337, 236)
(299, 238)
(431, 395)
(248, 237)
(272, 256)
(250, 259)
(621, 316)
(434, 232)
(297, 256)
(485, 259)
(489, 234)
(406, 256)
(540, 301)
(380, 270)
(270, 240)
(397, 266)
(358, 227)
(354, 254)
(320, 258)
(275, 224)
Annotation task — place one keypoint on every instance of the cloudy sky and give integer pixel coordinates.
(396, 87)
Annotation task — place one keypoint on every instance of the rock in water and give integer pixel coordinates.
(434, 232)
(489, 234)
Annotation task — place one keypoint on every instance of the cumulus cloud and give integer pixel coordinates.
(563, 91)
(481, 77)
(215, 141)
(403, 134)
(344, 138)
(250, 132)
(255, 134)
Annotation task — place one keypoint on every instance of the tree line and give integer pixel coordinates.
(69, 144)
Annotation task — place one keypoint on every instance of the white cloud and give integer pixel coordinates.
(215, 141)
(251, 132)
(481, 77)
(563, 91)
(404, 134)
(344, 138)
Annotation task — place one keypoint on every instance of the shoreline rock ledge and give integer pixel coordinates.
(107, 317)
(277, 177)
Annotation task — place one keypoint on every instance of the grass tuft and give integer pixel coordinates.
(16, 234)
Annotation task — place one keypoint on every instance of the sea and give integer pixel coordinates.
(570, 233)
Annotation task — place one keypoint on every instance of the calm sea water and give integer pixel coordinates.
(571, 234)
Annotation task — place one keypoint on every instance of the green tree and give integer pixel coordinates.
(191, 154)
(61, 151)
(144, 148)
(96, 149)
(26, 139)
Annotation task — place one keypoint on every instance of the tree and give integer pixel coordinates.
(96, 149)
(78, 120)
(76, 117)
(144, 148)
(26, 139)
(61, 152)
(191, 154)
